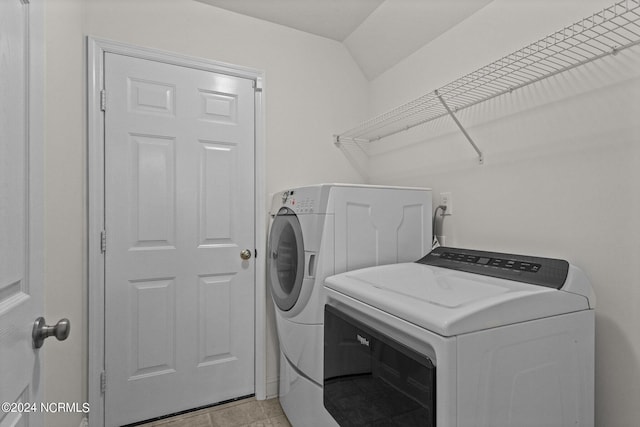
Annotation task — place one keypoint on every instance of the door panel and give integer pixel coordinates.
(21, 288)
(179, 208)
(13, 152)
(153, 196)
(218, 161)
(214, 342)
(153, 327)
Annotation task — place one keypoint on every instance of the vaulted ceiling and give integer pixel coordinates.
(377, 33)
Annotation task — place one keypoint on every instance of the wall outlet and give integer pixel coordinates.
(446, 200)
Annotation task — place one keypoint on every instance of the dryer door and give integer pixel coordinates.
(285, 268)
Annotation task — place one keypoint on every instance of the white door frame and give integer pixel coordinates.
(96, 50)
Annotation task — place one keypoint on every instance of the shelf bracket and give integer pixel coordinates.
(462, 129)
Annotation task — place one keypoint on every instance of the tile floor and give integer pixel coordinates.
(242, 413)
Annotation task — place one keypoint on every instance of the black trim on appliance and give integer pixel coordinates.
(548, 272)
(371, 379)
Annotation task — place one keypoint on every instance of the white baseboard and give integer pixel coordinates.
(272, 388)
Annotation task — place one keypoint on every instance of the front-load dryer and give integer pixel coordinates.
(318, 231)
(461, 338)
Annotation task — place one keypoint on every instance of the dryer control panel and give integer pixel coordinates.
(299, 202)
(548, 272)
(303, 200)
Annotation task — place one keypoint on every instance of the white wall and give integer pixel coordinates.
(313, 89)
(561, 173)
(65, 363)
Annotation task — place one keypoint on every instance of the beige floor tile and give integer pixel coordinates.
(180, 418)
(238, 416)
(198, 420)
(230, 404)
(271, 407)
(242, 413)
(280, 421)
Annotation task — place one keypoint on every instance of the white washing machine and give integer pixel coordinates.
(318, 231)
(461, 338)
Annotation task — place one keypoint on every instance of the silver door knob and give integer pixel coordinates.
(42, 331)
(245, 254)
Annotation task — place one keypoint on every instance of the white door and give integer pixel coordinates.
(179, 210)
(21, 288)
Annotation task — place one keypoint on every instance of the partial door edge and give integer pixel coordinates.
(96, 49)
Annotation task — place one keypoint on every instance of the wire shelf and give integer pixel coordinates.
(603, 33)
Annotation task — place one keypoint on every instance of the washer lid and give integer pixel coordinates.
(450, 302)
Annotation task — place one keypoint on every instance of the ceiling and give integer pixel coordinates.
(377, 33)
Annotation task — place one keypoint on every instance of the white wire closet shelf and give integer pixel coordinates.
(604, 33)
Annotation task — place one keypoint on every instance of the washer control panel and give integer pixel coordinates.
(299, 203)
(547, 272)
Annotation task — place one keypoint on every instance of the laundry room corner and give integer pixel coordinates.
(559, 172)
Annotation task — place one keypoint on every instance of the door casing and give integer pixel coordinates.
(96, 49)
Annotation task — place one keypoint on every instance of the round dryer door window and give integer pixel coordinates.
(286, 259)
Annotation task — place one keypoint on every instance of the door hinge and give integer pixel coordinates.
(103, 100)
(103, 382)
(257, 85)
(103, 241)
